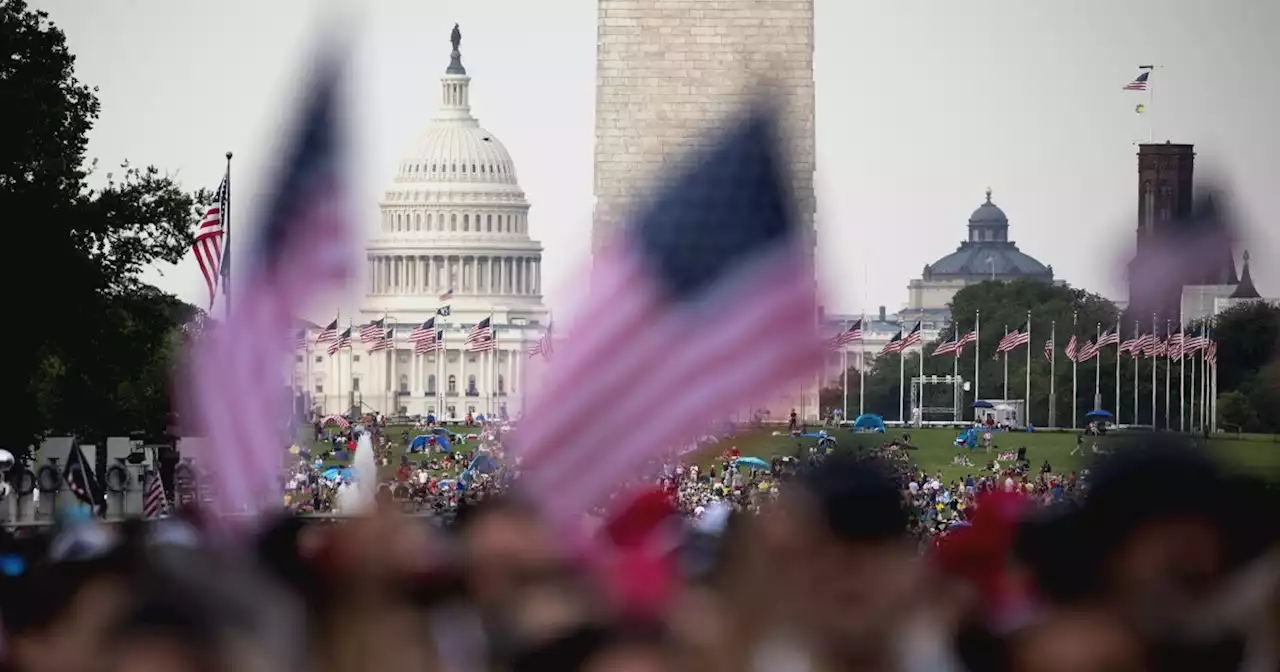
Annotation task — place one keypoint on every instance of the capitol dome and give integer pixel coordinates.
(454, 223)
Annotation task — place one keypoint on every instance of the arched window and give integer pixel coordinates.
(453, 222)
(464, 169)
(488, 223)
(466, 222)
(418, 227)
(431, 384)
(429, 221)
(404, 383)
(453, 167)
(502, 384)
(471, 386)
(453, 384)
(473, 167)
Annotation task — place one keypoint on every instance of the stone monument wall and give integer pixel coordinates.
(668, 72)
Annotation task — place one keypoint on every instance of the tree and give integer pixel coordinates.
(1235, 411)
(94, 331)
(1248, 337)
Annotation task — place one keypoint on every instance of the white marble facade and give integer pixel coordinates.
(453, 232)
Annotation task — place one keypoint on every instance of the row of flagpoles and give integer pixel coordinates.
(1174, 346)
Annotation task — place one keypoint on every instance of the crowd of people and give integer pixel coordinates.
(839, 558)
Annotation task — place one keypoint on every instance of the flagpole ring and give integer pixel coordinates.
(116, 479)
(48, 478)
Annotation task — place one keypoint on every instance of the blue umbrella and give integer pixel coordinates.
(1099, 414)
(751, 462)
(982, 404)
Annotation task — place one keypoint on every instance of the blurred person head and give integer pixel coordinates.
(162, 634)
(840, 549)
(1158, 533)
(502, 545)
(61, 614)
(1077, 640)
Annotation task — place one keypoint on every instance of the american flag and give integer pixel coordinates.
(433, 342)
(443, 311)
(1174, 349)
(446, 295)
(340, 341)
(1088, 351)
(1014, 339)
(1139, 83)
(302, 252)
(480, 338)
(81, 480)
(1158, 348)
(373, 332)
(424, 331)
(386, 342)
(208, 243)
(300, 339)
(672, 324)
(853, 333)
(970, 337)
(946, 348)
(1070, 351)
(154, 502)
(1195, 344)
(1109, 337)
(1048, 350)
(914, 338)
(1136, 346)
(329, 333)
(1211, 353)
(894, 344)
(544, 345)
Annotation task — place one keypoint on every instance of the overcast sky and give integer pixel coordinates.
(920, 107)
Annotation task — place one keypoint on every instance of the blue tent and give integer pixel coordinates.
(422, 443)
(481, 464)
(868, 422)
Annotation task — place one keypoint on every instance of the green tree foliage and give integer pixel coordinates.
(98, 361)
(1235, 412)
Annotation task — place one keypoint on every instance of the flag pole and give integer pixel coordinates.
(977, 348)
(844, 373)
(493, 368)
(1137, 333)
(1117, 416)
(351, 369)
(389, 369)
(1182, 377)
(1051, 420)
(920, 395)
(1168, 369)
(1075, 396)
(1026, 404)
(1097, 369)
(1005, 391)
(862, 367)
(1155, 359)
(955, 368)
(224, 268)
(901, 377)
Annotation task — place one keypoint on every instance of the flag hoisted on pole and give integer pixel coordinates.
(1142, 83)
(1153, 347)
(210, 234)
(713, 261)
(154, 502)
(910, 340)
(225, 269)
(862, 369)
(301, 252)
(977, 355)
(1026, 393)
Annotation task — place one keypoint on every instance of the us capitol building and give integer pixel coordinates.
(453, 232)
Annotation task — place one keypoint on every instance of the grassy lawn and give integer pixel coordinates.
(1252, 453)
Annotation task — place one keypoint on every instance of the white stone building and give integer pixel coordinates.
(453, 232)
